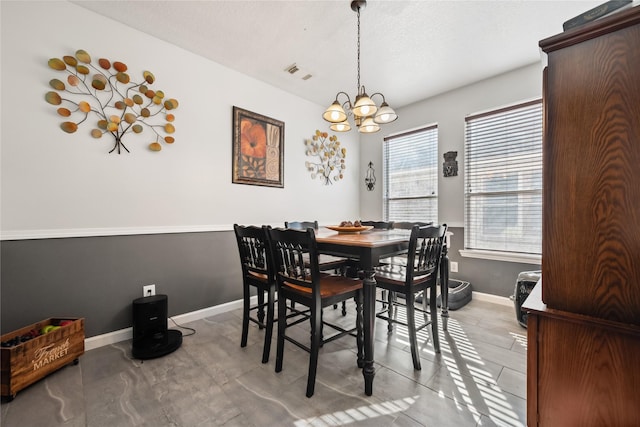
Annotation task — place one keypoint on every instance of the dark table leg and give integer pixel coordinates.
(444, 287)
(369, 317)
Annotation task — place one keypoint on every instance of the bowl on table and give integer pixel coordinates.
(349, 229)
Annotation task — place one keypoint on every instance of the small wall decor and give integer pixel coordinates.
(258, 149)
(450, 165)
(121, 105)
(370, 177)
(330, 162)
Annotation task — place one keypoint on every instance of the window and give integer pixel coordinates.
(411, 176)
(503, 180)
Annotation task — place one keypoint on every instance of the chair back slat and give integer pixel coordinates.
(425, 250)
(253, 250)
(292, 266)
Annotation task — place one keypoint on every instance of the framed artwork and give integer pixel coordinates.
(258, 149)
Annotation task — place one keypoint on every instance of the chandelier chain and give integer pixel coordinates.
(358, 92)
(366, 114)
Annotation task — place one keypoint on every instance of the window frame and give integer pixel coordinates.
(431, 143)
(492, 253)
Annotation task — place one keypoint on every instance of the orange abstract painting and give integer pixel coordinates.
(258, 149)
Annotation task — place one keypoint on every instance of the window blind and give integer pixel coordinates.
(411, 176)
(503, 179)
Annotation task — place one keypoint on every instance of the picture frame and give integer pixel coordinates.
(258, 149)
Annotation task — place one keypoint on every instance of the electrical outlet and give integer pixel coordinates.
(454, 266)
(148, 290)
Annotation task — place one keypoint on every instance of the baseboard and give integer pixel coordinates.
(127, 333)
(480, 296)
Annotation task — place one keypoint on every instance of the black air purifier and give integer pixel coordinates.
(151, 338)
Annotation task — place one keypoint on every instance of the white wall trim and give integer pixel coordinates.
(124, 231)
(480, 296)
(101, 232)
(502, 256)
(127, 333)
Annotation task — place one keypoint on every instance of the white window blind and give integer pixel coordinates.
(503, 179)
(411, 176)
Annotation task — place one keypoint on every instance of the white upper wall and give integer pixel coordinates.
(53, 183)
(448, 111)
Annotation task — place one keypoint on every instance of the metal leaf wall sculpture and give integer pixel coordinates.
(121, 105)
(330, 164)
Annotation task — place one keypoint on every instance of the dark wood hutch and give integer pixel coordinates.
(583, 358)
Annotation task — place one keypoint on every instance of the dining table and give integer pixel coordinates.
(367, 248)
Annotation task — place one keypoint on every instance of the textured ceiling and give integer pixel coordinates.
(410, 50)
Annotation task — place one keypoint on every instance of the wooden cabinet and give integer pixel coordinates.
(584, 322)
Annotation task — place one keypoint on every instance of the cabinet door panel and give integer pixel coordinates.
(591, 226)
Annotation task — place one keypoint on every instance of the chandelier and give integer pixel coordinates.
(366, 115)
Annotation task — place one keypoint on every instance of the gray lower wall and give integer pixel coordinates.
(98, 277)
(486, 276)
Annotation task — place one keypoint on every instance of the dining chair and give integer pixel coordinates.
(326, 262)
(401, 259)
(415, 276)
(379, 225)
(258, 273)
(299, 280)
(408, 225)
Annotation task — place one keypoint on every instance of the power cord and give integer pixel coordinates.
(193, 331)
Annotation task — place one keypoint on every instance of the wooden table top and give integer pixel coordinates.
(372, 238)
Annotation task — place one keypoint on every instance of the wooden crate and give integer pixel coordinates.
(32, 360)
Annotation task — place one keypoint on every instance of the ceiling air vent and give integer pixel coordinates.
(292, 69)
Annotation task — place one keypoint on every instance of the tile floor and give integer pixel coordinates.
(479, 379)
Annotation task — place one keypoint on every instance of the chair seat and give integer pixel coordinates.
(330, 286)
(396, 275)
(395, 260)
(261, 277)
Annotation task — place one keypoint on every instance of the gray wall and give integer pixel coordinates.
(486, 276)
(448, 110)
(98, 277)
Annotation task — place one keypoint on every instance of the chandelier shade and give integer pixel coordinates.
(385, 114)
(367, 116)
(368, 126)
(335, 113)
(364, 105)
(343, 126)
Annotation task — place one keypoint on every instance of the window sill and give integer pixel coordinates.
(502, 256)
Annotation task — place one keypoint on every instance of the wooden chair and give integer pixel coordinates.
(379, 225)
(257, 272)
(299, 280)
(402, 225)
(326, 262)
(408, 225)
(419, 273)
